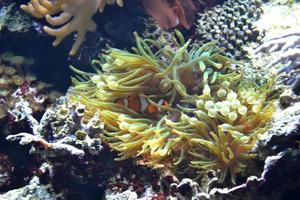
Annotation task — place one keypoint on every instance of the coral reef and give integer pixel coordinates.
(72, 155)
(231, 26)
(194, 111)
(146, 121)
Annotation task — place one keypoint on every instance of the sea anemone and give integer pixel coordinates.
(153, 75)
(211, 117)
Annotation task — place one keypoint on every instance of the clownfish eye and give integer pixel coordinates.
(165, 85)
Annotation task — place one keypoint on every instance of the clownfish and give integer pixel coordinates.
(139, 104)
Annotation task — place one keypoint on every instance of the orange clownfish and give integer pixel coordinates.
(140, 104)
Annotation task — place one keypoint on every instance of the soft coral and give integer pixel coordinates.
(170, 13)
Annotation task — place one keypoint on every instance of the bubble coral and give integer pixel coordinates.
(212, 118)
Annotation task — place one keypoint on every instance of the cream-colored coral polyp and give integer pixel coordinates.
(76, 16)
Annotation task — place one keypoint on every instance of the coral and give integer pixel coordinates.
(16, 82)
(278, 18)
(171, 13)
(186, 189)
(76, 16)
(286, 47)
(206, 116)
(231, 26)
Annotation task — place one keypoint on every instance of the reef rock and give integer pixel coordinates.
(34, 190)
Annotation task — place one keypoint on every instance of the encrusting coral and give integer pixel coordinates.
(76, 16)
(198, 111)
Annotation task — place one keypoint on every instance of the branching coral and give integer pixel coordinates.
(212, 116)
(76, 16)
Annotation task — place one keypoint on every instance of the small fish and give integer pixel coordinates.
(140, 104)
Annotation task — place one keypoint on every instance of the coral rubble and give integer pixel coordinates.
(231, 26)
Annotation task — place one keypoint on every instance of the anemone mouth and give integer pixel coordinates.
(206, 115)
